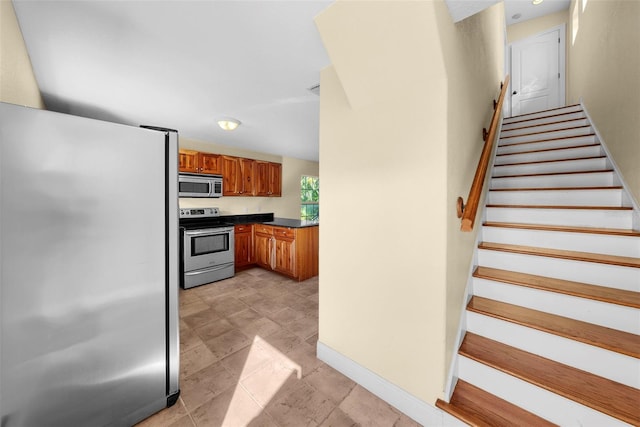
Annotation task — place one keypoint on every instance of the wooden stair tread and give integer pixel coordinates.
(544, 131)
(551, 161)
(476, 407)
(615, 399)
(548, 149)
(551, 110)
(611, 208)
(556, 188)
(545, 124)
(591, 230)
(551, 174)
(588, 333)
(563, 254)
(567, 287)
(546, 140)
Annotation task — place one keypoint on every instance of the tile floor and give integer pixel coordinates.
(248, 349)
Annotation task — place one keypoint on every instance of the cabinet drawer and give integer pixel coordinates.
(243, 228)
(284, 232)
(264, 229)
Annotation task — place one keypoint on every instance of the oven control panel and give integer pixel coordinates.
(199, 212)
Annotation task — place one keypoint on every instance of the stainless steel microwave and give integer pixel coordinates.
(196, 185)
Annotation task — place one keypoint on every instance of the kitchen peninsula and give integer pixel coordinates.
(287, 246)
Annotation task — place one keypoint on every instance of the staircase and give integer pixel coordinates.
(553, 323)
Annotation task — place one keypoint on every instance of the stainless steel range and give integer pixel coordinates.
(208, 247)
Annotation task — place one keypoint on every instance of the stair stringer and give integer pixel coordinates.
(631, 363)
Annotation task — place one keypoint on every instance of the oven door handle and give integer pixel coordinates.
(206, 270)
(208, 232)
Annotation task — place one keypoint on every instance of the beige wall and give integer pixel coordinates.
(531, 27)
(389, 113)
(605, 73)
(287, 206)
(17, 82)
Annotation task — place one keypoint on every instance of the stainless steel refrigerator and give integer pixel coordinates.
(88, 270)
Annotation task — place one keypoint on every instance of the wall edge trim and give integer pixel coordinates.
(405, 402)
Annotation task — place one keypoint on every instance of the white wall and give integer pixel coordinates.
(17, 81)
(400, 125)
(604, 61)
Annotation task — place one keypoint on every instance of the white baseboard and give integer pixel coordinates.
(408, 404)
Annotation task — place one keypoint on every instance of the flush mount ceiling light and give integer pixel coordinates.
(228, 123)
(516, 16)
(536, 2)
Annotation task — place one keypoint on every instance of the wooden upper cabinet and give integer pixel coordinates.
(230, 176)
(268, 179)
(247, 177)
(197, 162)
(188, 161)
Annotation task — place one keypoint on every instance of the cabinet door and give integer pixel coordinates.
(263, 250)
(188, 161)
(244, 245)
(285, 256)
(275, 179)
(210, 163)
(262, 178)
(247, 173)
(230, 176)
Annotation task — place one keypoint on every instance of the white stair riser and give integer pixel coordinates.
(546, 127)
(593, 273)
(552, 167)
(613, 316)
(546, 145)
(604, 363)
(583, 242)
(603, 197)
(571, 217)
(561, 133)
(540, 156)
(534, 122)
(592, 179)
(549, 115)
(543, 403)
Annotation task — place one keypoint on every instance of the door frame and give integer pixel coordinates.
(562, 61)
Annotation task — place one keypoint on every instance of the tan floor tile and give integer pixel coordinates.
(337, 418)
(306, 289)
(244, 317)
(192, 308)
(268, 306)
(246, 361)
(189, 339)
(303, 358)
(304, 327)
(290, 299)
(201, 318)
(227, 343)
(206, 384)
(227, 305)
(313, 340)
(283, 341)
(213, 329)
(233, 408)
(193, 360)
(367, 409)
(269, 381)
(263, 420)
(166, 417)
(405, 421)
(251, 298)
(331, 382)
(303, 406)
(286, 316)
(262, 327)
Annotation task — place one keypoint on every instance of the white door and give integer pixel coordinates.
(537, 72)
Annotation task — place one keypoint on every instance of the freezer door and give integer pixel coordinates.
(86, 271)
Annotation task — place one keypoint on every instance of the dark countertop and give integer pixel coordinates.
(268, 219)
(291, 223)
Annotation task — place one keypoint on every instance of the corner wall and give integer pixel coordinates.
(401, 114)
(17, 81)
(605, 73)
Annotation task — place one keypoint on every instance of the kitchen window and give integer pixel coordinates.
(309, 198)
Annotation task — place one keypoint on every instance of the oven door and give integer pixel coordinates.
(206, 248)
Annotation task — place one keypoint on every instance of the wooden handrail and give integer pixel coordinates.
(468, 212)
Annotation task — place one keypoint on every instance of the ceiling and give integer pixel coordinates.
(528, 10)
(185, 64)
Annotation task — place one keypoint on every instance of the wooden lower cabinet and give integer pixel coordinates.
(244, 248)
(289, 251)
